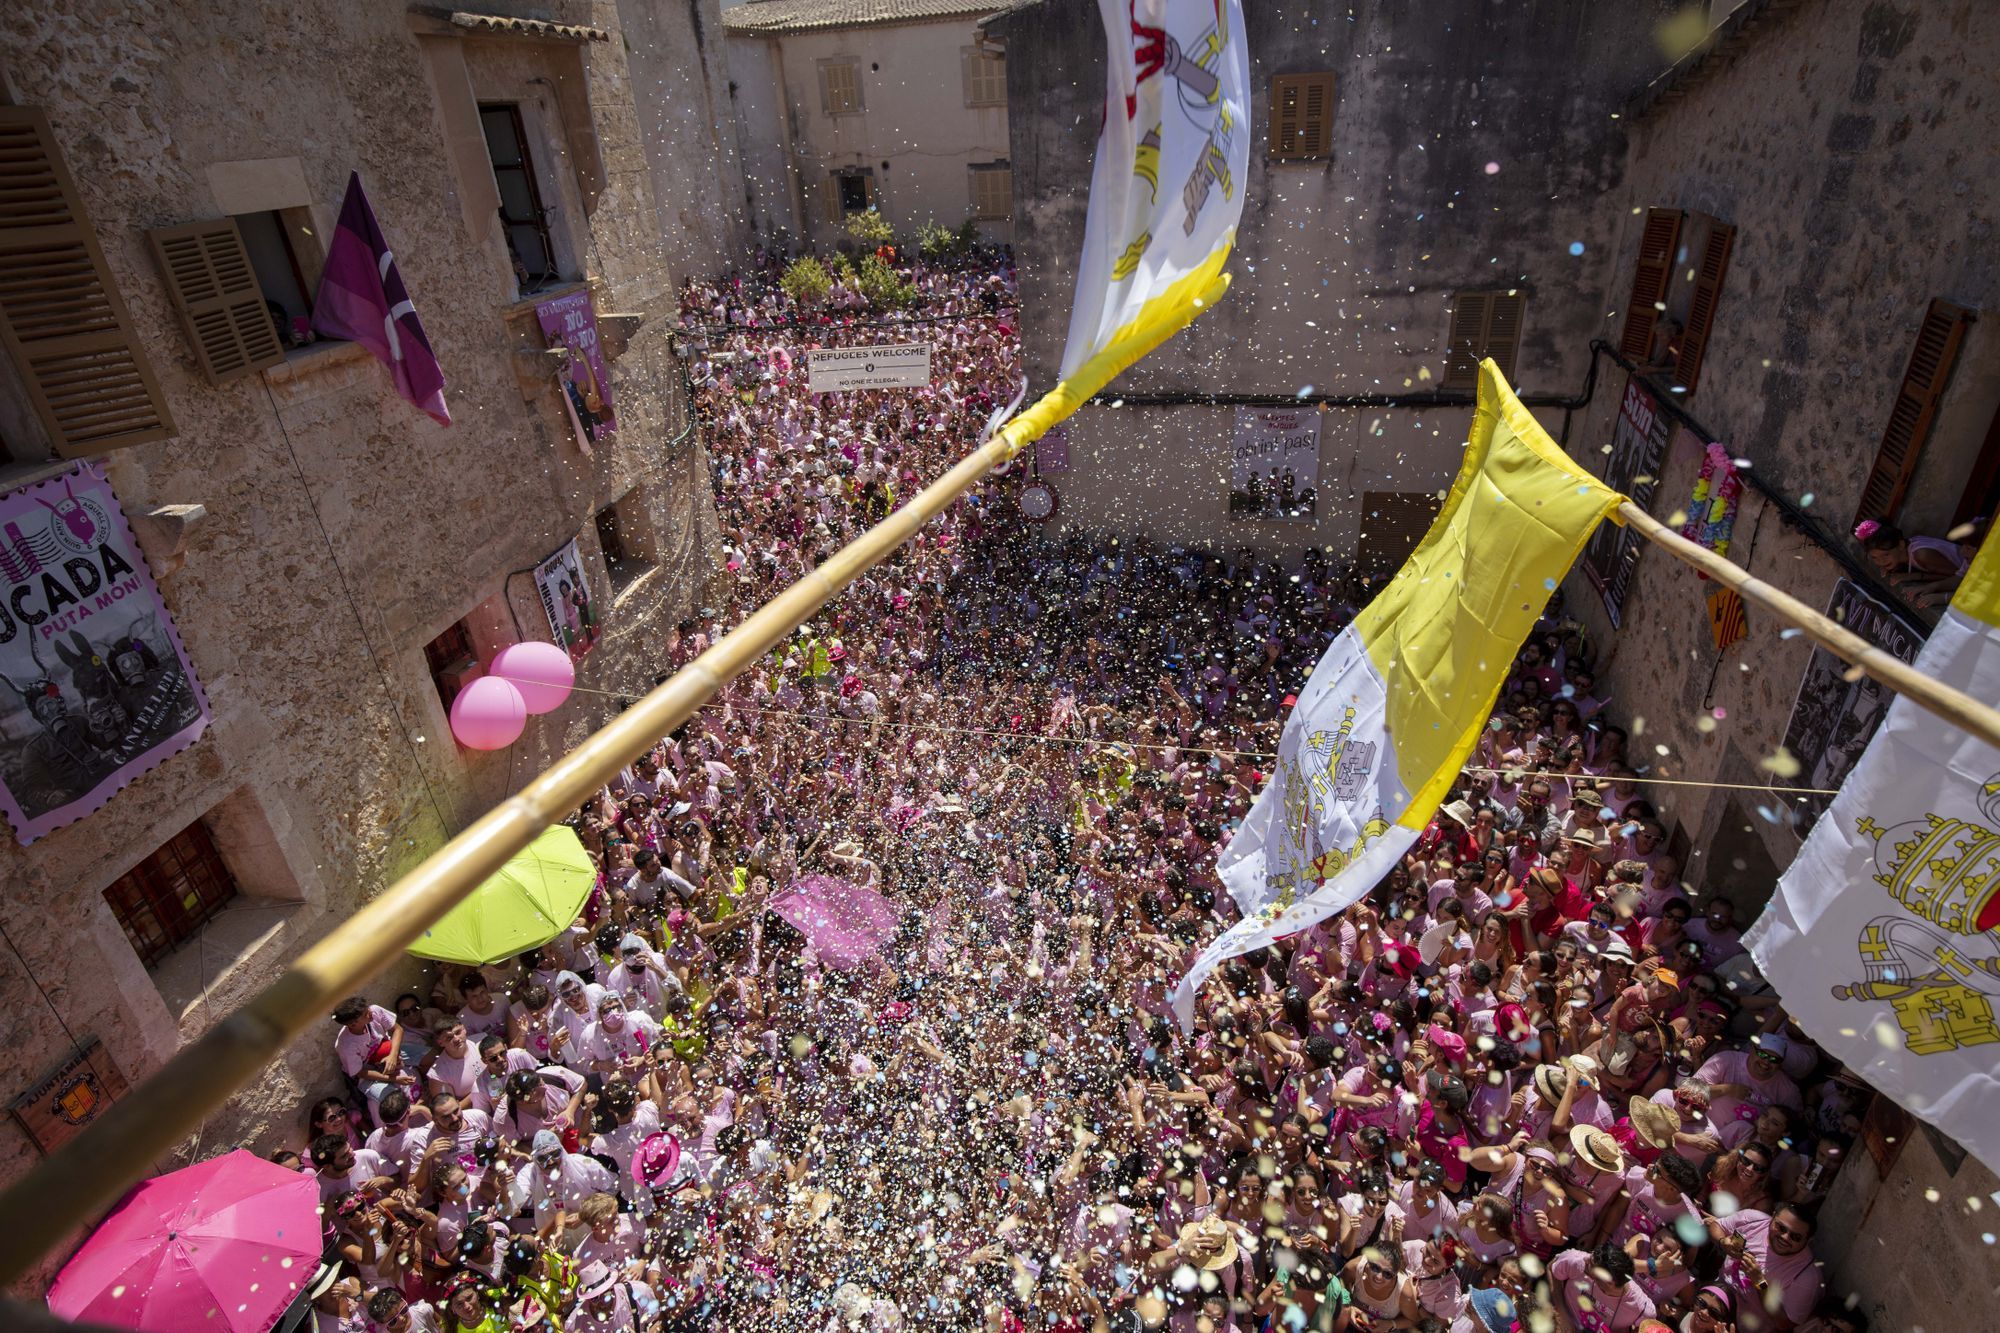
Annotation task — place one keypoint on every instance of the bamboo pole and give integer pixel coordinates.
(70, 1188)
(1954, 706)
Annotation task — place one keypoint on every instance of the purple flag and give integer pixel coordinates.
(845, 923)
(361, 298)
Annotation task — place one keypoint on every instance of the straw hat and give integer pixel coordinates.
(1459, 811)
(1207, 1244)
(1584, 836)
(595, 1279)
(1596, 1148)
(1550, 1082)
(1655, 1124)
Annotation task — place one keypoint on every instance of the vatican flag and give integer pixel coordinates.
(1397, 702)
(1884, 935)
(1166, 190)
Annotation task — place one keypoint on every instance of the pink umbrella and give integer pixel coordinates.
(224, 1244)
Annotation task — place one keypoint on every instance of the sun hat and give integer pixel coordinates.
(322, 1281)
(1207, 1244)
(1550, 1082)
(546, 1141)
(1597, 1148)
(1447, 1044)
(654, 1162)
(1618, 951)
(1655, 1124)
(594, 1280)
(1774, 1044)
(1495, 1310)
(1458, 811)
(1584, 836)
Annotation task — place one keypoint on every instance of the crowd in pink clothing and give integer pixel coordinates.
(1531, 1078)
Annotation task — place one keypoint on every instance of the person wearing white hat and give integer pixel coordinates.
(607, 1304)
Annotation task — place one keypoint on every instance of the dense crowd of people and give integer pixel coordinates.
(1530, 1081)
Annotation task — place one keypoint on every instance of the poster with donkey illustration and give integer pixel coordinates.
(95, 687)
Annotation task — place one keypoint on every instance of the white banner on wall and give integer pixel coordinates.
(890, 366)
(1274, 464)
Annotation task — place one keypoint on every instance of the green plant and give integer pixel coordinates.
(843, 266)
(936, 242)
(806, 281)
(869, 229)
(884, 286)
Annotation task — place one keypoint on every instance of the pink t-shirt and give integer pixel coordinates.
(1592, 1306)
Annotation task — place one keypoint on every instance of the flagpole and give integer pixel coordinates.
(1934, 696)
(73, 1186)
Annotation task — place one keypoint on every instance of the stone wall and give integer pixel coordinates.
(344, 529)
(1849, 142)
(1471, 146)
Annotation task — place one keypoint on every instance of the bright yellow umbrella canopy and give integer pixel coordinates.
(530, 901)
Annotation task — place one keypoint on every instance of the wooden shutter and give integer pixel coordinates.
(1483, 324)
(1658, 244)
(829, 198)
(1301, 116)
(211, 283)
(1924, 381)
(1467, 335)
(61, 317)
(1701, 305)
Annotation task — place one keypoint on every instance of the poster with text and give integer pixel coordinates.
(1638, 447)
(570, 322)
(1274, 464)
(95, 687)
(566, 598)
(1834, 717)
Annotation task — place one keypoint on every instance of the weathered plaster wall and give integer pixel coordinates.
(680, 87)
(343, 528)
(1345, 267)
(764, 140)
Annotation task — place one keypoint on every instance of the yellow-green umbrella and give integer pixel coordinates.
(530, 901)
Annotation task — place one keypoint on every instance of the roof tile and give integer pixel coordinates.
(777, 16)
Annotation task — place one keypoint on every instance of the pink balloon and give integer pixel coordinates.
(542, 672)
(488, 714)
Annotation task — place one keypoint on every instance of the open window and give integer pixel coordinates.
(1926, 375)
(524, 218)
(164, 901)
(453, 662)
(625, 535)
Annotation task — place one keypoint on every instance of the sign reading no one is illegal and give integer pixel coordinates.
(892, 366)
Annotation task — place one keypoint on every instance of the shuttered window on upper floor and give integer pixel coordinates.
(62, 319)
(1659, 243)
(1939, 339)
(214, 287)
(1301, 117)
(1705, 274)
(1483, 324)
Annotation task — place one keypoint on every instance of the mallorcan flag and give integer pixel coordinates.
(1884, 935)
(1166, 190)
(1396, 704)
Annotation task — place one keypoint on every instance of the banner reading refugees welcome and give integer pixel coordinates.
(97, 688)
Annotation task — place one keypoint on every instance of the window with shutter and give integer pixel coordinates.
(992, 190)
(1658, 243)
(1924, 379)
(1483, 324)
(1701, 303)
(212, 284)
(61, 318)
(985, 75)
(1301, 117)
(839, 87)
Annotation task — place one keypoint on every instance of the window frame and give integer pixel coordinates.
(979, 171)
(162, 895)
(859, 102)
(1300, 86)
(974, 66)
(450, 649)
(529, 172)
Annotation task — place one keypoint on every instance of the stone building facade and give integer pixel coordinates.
(326, 549)
(1432, 156)
(1848, 143)
(846, 105)
(1822, 310)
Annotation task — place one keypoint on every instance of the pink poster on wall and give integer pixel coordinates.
(570, 322)
(95, 687)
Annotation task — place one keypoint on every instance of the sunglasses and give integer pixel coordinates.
(1752, 1164)
(1789, 1233)
(1709, 1310)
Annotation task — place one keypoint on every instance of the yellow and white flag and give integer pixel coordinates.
(1884, 934)
(1396, 704)
(1166, 190)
